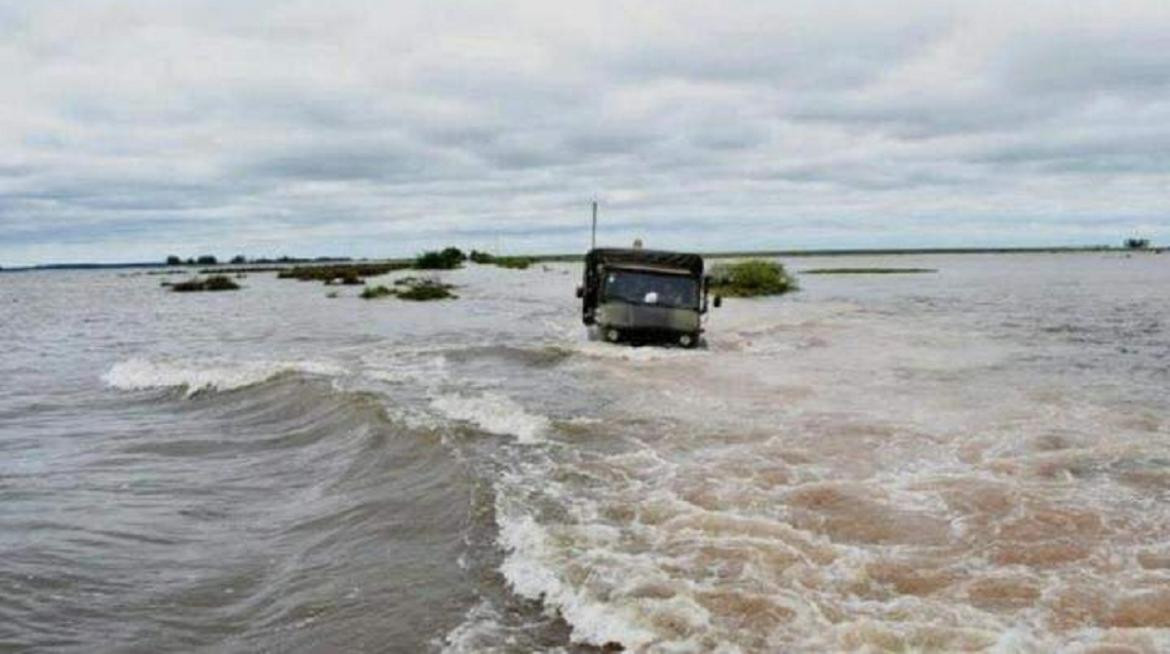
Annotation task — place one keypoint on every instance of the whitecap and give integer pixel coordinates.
(143, 374)
(494, 413)
(427, 371)
(530, 569)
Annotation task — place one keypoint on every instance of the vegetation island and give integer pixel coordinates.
(754, 274)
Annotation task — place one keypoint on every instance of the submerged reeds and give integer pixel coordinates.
(484, 258)
(213, 283)
(427, 290)
(413, 289)
(349, 273)
(375, 292)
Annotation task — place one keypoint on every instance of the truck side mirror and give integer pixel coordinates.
(718, 301)
(580, 291)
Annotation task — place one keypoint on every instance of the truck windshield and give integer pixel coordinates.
(639, 287)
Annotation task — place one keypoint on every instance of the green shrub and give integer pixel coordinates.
(447, 259)
(751, 278)
(220, 283)
(427, 290)
(213, 283)
(412, 288)
(481, 257)
(375, 292)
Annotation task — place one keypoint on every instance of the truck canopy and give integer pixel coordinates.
(690, 263)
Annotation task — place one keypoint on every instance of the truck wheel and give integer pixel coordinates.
(688, 340)
(612, 335)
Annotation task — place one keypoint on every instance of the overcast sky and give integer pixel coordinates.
(131, 130)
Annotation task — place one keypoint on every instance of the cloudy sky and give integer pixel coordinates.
(130, 130)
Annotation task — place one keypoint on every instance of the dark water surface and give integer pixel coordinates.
(976, 459)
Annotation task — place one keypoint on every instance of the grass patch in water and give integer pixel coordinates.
(752, 278)
(375, 292)
(516, 263)
(213, 283)
(346, 273)
(868, 271)
(228, 271)
(350, 278)
(426, 289)
(413, 289)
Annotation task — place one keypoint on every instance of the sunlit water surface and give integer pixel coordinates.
(977, 459)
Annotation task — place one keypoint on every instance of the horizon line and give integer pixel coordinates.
(718, 254)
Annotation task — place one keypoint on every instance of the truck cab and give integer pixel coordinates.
(636, 295)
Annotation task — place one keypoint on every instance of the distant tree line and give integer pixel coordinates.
(210, 260)
(445, 259)
(204, 260)
(453, 257)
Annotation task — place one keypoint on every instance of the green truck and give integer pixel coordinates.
(639, 296)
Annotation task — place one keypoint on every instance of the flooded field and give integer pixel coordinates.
(976, 459)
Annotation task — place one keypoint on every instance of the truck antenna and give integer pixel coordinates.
(593, 242)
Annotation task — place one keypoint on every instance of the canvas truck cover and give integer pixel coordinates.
(692, 263)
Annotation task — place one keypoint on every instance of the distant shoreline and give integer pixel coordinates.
(895, 252)
(270, 265)
(1077, 249)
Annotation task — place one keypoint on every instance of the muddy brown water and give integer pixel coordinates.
(972, 460)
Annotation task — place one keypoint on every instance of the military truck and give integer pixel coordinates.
(638, 296)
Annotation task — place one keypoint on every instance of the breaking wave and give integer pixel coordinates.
(142, 374)
(533, 572)
(494, 413)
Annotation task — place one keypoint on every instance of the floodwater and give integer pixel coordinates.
(972, 460)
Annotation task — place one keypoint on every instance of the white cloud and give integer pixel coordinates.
(133, 129)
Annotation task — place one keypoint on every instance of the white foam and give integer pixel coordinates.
(494, 413)
(1017, 640)
(142, 374)
(427, 371)
(481, 627)
(529, 569)
(413, 418)
(603, 350)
